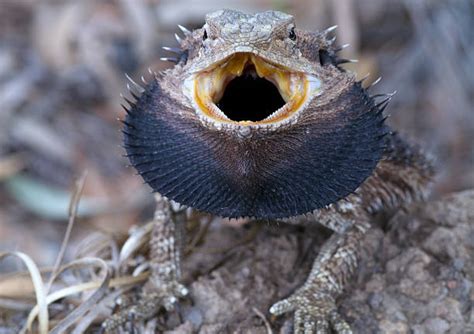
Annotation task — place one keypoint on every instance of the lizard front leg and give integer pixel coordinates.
(163, 288)
(314, 304)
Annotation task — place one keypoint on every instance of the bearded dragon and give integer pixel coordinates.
(257, 119)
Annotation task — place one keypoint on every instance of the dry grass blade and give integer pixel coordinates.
(78, 288)
(16, 305)
(86, 305)
(264, 319)
(73, 205)
(137, 239)
(95, 312)
(91, 301)
(40, 291)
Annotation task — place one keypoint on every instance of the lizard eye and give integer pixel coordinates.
(204, 36)
(292, 34)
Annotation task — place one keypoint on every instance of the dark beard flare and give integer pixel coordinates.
(295, 170)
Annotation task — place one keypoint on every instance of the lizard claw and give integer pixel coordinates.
(153, 298)
(171, 294)
(314, 312)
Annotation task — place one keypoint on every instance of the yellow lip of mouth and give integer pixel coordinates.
(208, 87)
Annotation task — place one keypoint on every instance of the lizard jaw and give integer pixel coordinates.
(209, 90)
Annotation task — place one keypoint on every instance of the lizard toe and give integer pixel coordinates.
(153, 299)
(339, 324)
(314, 312)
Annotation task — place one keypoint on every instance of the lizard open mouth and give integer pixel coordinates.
(248, 90)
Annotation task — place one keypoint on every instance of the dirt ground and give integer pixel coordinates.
(62, 66)
(418, 280)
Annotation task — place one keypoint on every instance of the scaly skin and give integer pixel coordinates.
(402, 176)
(163, 288)
(332, 160)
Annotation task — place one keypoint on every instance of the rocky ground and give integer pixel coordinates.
(418, 281)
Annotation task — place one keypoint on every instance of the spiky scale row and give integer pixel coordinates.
(331, 51)
(173, 50)
(181, 55)
(342, 47)
(327, 31)
(130, 102)
(184, 30)
(341, 61)
(178, 39)
(183, 161)
(375, 82)
(385, 95)
(127, 110)
(135, 85)
(170, 59)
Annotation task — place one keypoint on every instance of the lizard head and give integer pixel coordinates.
(257, 79)
(256, 119)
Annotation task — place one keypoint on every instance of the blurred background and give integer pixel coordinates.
(62, 66)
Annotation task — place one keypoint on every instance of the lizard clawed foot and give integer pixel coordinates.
(163, 288)
(165, 295)
(314, 312)
(179, 291)
(153, 297)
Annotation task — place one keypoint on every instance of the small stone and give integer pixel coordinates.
(246, 271)
(458, 264)
(194, 316)
(436, 325)
(375, 300)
